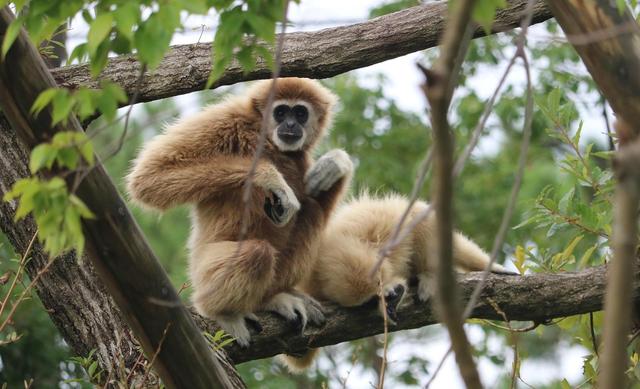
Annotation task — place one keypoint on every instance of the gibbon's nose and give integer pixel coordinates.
(290, 124)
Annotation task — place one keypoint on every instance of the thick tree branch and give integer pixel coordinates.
(539, 297)
(319, 54)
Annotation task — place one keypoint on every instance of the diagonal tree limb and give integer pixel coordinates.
(318, 54)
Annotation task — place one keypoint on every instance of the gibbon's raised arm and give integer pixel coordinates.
(197, 157)
(164, 184)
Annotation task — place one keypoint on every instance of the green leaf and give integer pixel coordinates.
(43, 99)
(86, 149)
(584, 261)
(98, 31)
(568, 251)
(126, 16)
(485, 10)
(68, 157)
(10, 35)
(62, 105)
(42, 155)
(81, 207)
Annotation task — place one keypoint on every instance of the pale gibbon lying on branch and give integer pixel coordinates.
(205, 160)
(349, 250)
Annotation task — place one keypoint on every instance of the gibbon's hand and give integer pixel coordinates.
(326, 171)
(281, 207)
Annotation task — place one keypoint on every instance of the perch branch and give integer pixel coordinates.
(538, 298)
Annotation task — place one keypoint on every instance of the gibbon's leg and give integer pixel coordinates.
(295, 309)
(327, 178)
(229, 281)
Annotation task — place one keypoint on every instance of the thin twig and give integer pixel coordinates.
(21, 266)
(385, 344)
(24, 293)
(155, 355)
(246, 195)
(594, 342)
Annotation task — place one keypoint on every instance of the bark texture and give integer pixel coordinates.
(538, 297)
(319, 54)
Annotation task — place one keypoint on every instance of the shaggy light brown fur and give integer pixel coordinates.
(349, 249)
(204, 160)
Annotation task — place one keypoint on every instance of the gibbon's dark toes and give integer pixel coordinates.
(298, 322)
(394, 296)
(392, 299)
(392, 314)
(254, 324)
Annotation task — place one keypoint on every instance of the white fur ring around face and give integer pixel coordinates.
(326, 171)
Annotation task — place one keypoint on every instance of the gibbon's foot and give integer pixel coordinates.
(281, 207)
(326, 171)
(424, 287)
(237, 326)
(291, 307)
(392, 298)
(315, 310)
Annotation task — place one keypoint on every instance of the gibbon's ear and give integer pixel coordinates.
(257, 105)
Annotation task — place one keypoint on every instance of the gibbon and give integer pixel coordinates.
(205, 160)
(349, 249)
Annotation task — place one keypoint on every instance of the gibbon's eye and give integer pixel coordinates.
(301, 112)
(280, 112)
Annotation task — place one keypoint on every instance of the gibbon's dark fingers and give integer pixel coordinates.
(282, 206)
(326, 171)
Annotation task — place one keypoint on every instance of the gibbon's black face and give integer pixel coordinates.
(290, 125)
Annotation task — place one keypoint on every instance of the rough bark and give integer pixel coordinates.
(115, 245)
(319, 54)
(76, 301)
(539, 297)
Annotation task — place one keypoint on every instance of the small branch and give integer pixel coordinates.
(618, 300)
(318, 54)
(533, 298)
(439, 87)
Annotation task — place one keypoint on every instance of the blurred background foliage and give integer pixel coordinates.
(558, 205)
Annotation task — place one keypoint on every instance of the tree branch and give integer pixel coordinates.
(318, 54)
(538, 297)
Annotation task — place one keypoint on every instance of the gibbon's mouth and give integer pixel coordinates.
(289, 137)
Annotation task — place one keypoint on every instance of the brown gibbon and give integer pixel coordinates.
(349, 250)
(205, 160)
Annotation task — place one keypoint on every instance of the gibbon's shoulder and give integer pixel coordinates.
(232, 113)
